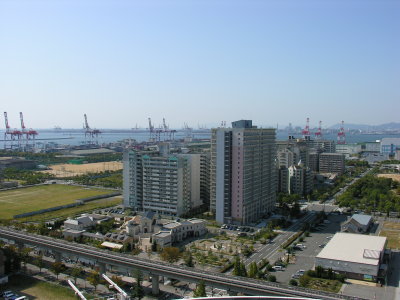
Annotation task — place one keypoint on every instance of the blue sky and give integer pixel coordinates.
(199, 62)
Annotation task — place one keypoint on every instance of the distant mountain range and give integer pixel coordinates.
(386, 126)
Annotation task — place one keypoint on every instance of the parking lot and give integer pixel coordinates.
(305, 257)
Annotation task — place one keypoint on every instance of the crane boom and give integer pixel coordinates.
(21, 117)
(6, 120)
(86, 122)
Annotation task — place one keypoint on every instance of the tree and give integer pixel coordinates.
(57, 268)
(319, 271)
(243, 271)
(75, 272)
(170, 254)
(200, 290)
(236, 267)
(24, 255)
(271, 278)
(189, 260)
(253, 270)
(154, 246)
(39, 262)
(94, 278)
(137, 290)
(118, 280)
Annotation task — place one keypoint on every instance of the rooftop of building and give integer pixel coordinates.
(172, 225)
(194, 221)
(357, 248)
(390, 141)
(149, 215)
(91, 151)
(362, 219)
(162, 234)
(330, 154)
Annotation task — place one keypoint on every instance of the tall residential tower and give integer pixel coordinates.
(243, 172)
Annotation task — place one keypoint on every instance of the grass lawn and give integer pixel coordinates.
(73, 211)
(325, 285)
(24, 200)
(36, 289)
(392, 231)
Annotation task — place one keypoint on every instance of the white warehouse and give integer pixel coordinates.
(357, 256)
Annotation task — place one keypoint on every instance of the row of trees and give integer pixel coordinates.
(28, 177)
(93, 277)
(110, 179)
(253, 271)
(319, 272)
(372, 193)
(57, 158)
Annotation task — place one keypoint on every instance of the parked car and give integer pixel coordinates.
(321, 246)
(8, 294)
(278, 268)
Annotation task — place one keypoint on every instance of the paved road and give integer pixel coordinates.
(271, 251)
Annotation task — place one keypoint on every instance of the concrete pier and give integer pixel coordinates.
(57, 256)
(155, 289)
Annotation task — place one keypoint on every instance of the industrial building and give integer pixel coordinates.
(372, 147)
(243, 172)
(389, 145)
(167, 184)
(331, 163)
(348, 149)
(357, 256)
(16, 163)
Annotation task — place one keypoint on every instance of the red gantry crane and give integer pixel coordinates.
(341, 136)
(318, 134)
(306, 131)
(12, 133)
(30, 133)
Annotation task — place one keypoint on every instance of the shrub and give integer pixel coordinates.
(293, 282)
(304, 280)
(311, 273)
(271, 278)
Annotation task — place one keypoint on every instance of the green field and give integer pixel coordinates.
(392, 231)
(24, 200)
(36, 289)
(327, 285)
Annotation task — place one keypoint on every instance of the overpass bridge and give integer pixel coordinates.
(233, 284)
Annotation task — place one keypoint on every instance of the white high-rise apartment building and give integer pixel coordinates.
(243, 172)
(167, 185)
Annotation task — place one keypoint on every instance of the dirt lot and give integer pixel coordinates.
(393, 176)
(65, 170)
